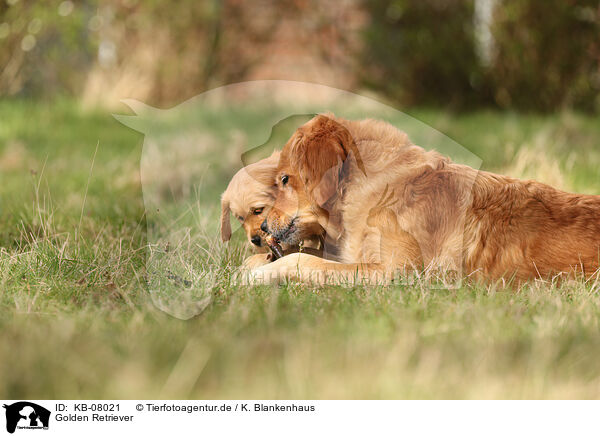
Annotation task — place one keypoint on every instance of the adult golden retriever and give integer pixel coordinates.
(392, 205)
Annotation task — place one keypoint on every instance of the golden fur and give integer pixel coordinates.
(249, 197)
(392, 205)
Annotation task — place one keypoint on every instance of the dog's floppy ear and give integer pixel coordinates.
(319, 154)
(225, 223)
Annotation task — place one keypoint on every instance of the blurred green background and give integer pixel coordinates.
(514, 82)
(458, 54)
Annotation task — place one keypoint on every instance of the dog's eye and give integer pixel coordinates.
(284, 179)
(240, 219)
(258, 211)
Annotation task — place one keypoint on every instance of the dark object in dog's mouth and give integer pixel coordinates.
(273, 244)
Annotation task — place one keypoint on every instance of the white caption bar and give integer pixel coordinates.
(23, 417)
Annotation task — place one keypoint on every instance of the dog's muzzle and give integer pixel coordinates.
(283, 234)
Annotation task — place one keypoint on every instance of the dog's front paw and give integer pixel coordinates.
(276, 272)
(295, 266)
(257, 260)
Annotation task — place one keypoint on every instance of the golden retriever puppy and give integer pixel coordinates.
(392, 205)
(249, 197)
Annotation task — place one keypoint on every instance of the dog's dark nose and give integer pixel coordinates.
(264, 227)
(255, 240)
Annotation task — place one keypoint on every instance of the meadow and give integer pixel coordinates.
(77, 320)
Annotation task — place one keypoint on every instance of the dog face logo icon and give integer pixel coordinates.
(26, 415)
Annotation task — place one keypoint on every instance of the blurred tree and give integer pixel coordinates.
(42, 44)
(454, 53)
(164, 52)
(423, 52)
(153, 50)
(547, 54)
(522, 54)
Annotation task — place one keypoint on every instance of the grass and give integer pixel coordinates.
(77, 320)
